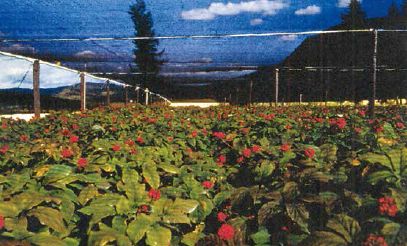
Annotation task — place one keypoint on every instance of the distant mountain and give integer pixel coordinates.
(66, 97)
(338, 52)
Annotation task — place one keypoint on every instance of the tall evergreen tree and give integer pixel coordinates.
(404, 8)
(355, 17)
(393, 11)
(147, 56)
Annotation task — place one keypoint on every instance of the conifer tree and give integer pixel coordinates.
(355, 17)
(147, 56)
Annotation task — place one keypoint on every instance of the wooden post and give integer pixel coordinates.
(138, 94)
(126, 96)
(147, 94)
(251, 92)
(83, 92)
(36, 89)
(108, 92)
(372, 100)
(237, 95)
(327, 84)
(277, 85)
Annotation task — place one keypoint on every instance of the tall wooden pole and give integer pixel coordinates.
(251, 92)
(147, 94)
(108, 92)
(237, 95)
(277, 85)
(126, 95)
(36, 89)
(83, 92)
(372, 100)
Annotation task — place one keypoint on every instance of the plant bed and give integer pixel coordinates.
(217, 176)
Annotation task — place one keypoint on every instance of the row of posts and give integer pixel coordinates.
(372, 99)
(37, 96)
(36, 86)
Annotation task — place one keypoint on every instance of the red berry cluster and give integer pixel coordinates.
(154, 194)
(309, 152)
(66, 153)
(221, 160)
(4, 149)
(208, 184)
(388, 206)
(82, 163)
(340, 123)
(116, 148)
(219, 135)
(226, 232)
(285, 147)
(374, 240)
(2, 222)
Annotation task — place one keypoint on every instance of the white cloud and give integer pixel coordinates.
(19, 48)
(290, 37)
(266, 7)
(85, 54)
(12, 72)
(256, 22)
(198, 14)
(344, 3)
(310, 10)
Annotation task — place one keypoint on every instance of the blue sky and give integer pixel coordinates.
(107, 18)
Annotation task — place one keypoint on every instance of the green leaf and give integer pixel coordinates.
(378, 176)
(293, 239)
(267, 211)
(205, 208)
(323, 238)
(221, 197)
(299, 214)
(101, 207)
(394, 159)
(57, 172)
(119, 224)
(183, 205)
(106, 236)
(87, 194)
(242, 199)
(130, 176)
(169, 168)
(123, 206)
(320, 177)
(328, 152)
(265, 169)
(400, 197)
(138, 227)
(390, 229)
(16, 224)
(176, 218)
(345, 226)
(49, 217)
(262, 237)
(9, 209)
(151, 175)
(327, 198)
(28, 200)
(43, 239)
(192, 238)
(290, 191)
(158, 236)
(71, 241)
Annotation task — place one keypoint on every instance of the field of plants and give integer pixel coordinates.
(217, 176)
